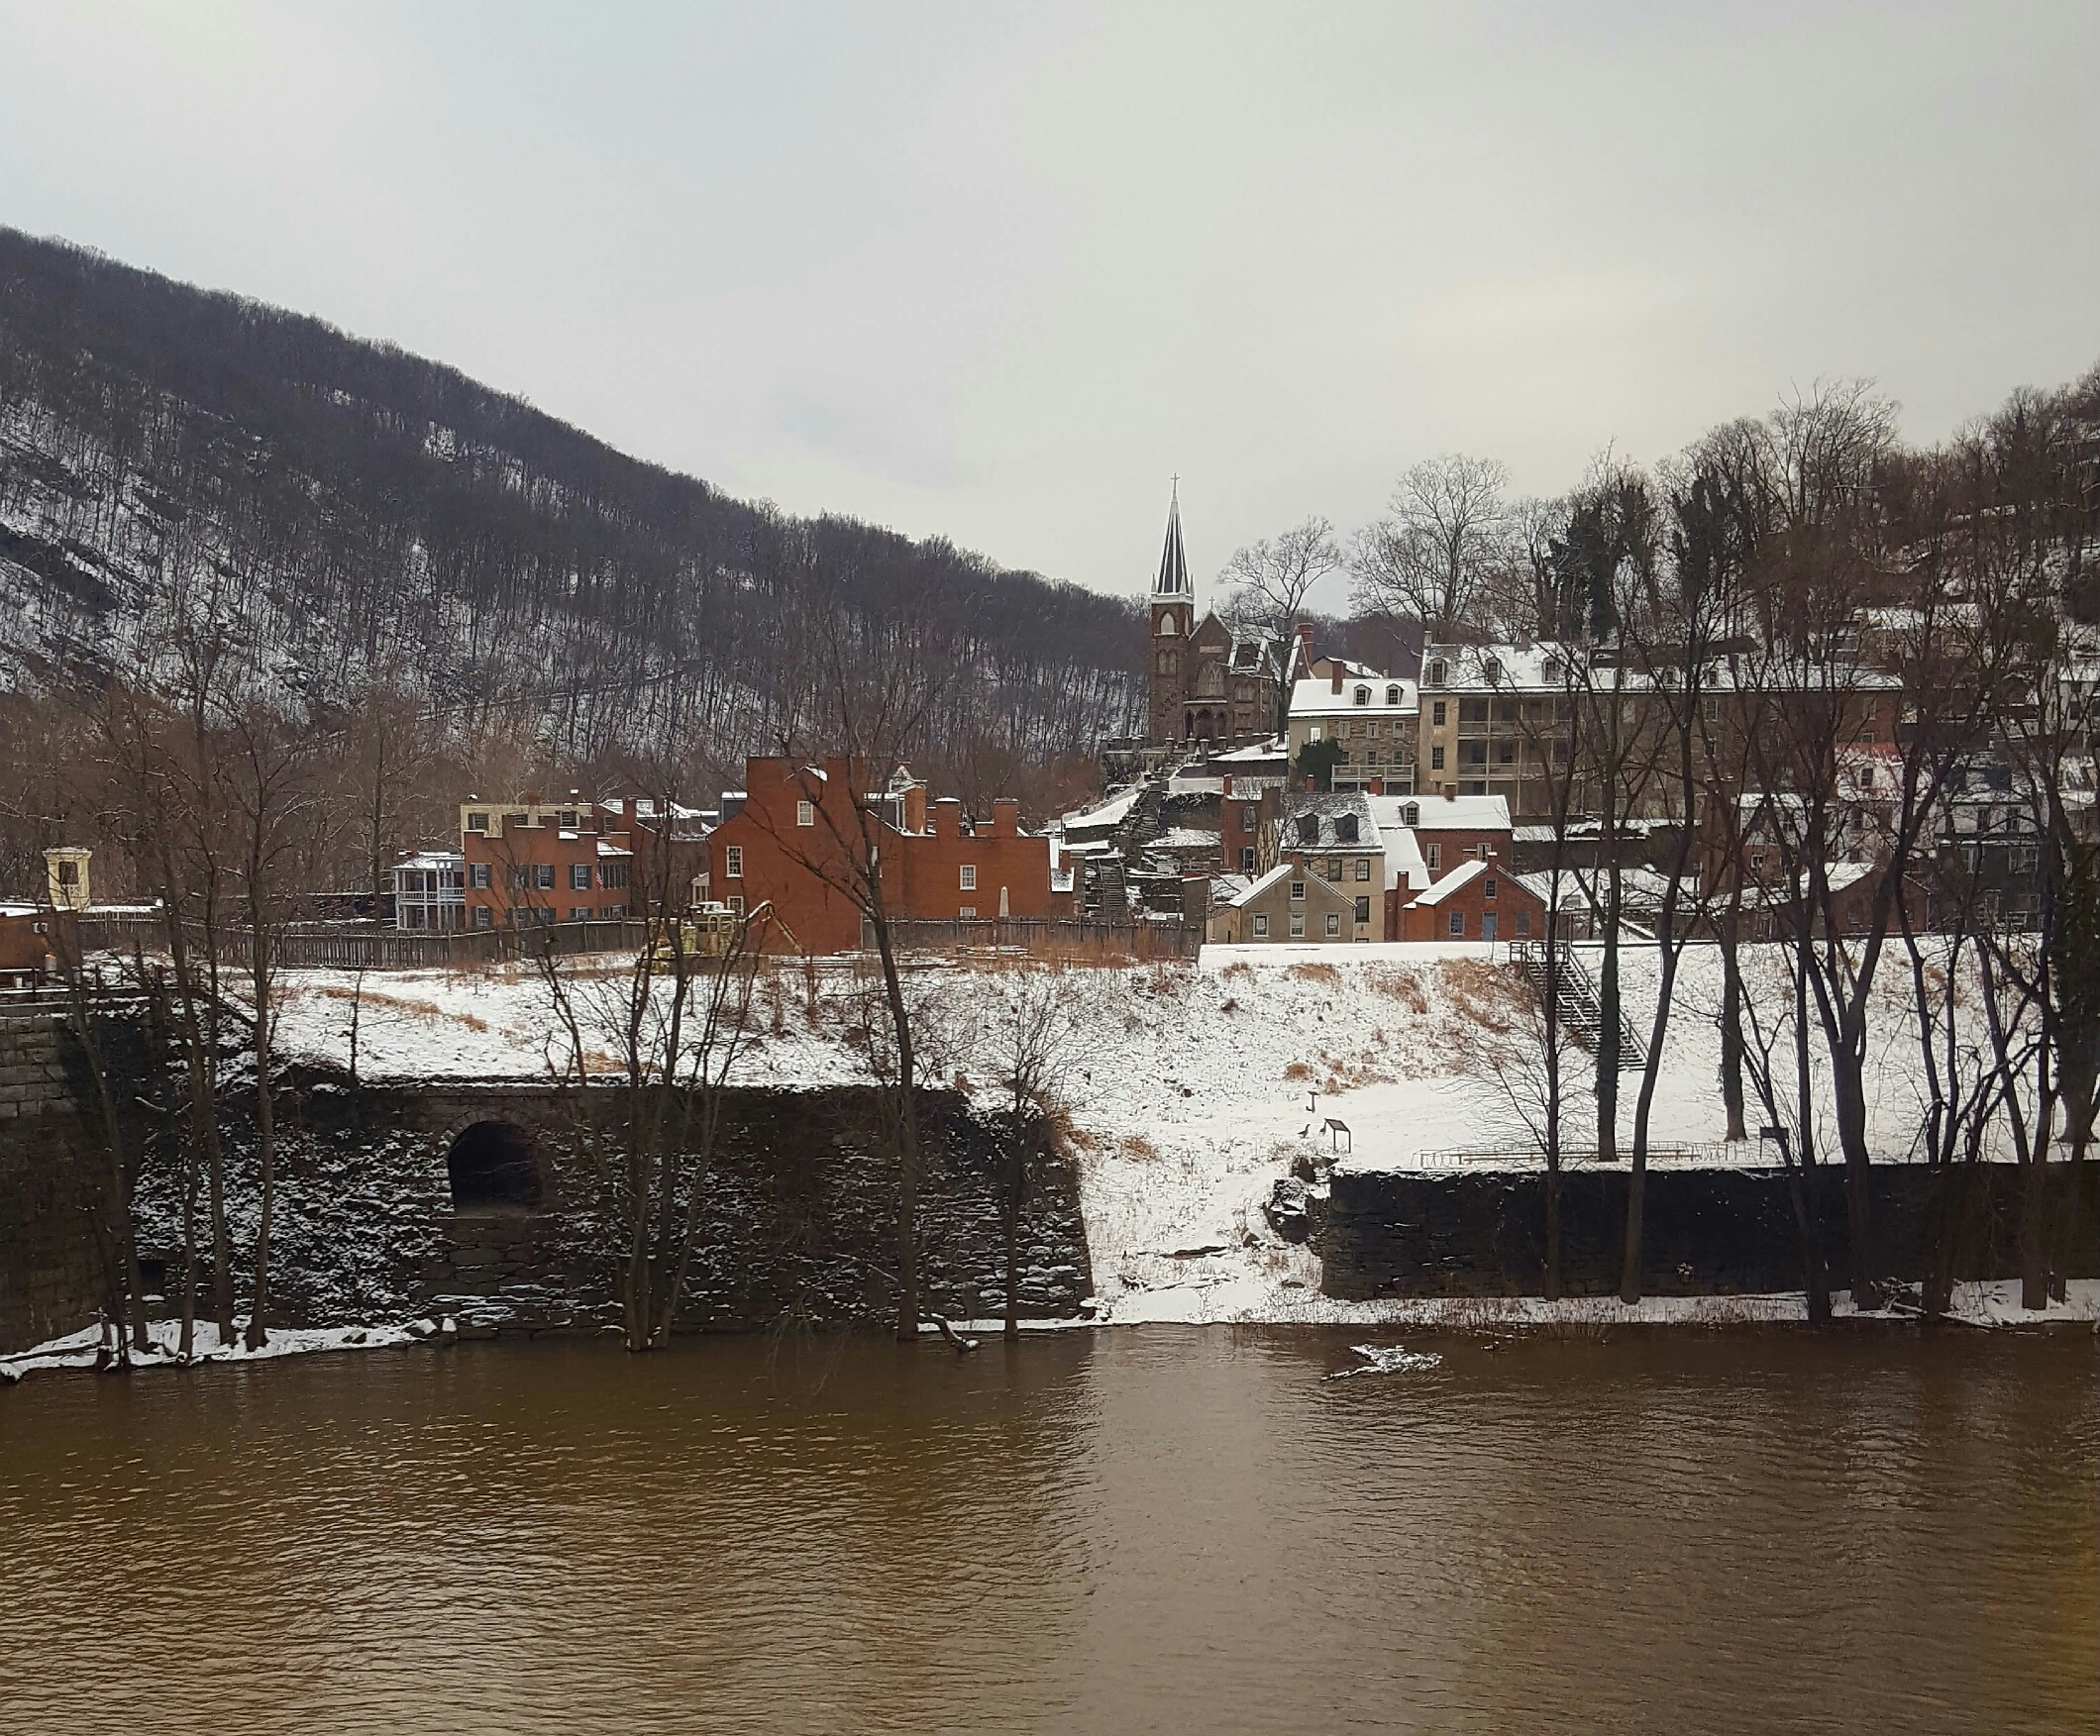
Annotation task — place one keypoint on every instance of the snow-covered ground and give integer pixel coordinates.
(79, 1350)
(1189, 1088)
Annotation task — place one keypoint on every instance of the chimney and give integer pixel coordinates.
(1378, 787)
(1450, 792)
(1338, 677)
(1005, 816)
(1305, 647)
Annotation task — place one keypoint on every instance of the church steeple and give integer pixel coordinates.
(1173, 580)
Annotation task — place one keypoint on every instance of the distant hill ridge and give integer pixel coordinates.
(342, 509)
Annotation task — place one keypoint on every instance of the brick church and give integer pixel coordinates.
(1211, 681)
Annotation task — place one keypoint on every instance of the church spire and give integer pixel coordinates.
(1173, 580)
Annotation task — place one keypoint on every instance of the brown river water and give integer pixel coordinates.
(1129, 1530)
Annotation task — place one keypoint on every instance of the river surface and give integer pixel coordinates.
(1128, 1530)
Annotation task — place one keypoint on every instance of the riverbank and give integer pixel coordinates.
(1992, 1306)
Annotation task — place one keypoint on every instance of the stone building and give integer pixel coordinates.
(1211, 680)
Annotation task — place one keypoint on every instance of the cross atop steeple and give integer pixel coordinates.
(1173, 580)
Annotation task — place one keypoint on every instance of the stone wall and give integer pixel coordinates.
(796, 1224)
(49, 1283)
(1706, 1232)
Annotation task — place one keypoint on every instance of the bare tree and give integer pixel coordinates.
(265, 772)
(1271, 579)
(677, 1018)
(1032, 1041)
(1442, 541)
(868, 697)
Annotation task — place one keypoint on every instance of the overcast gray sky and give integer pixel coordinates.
(996, 271)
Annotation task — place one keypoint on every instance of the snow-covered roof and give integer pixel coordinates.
(1316, 698)
(1516, 666)
(1272, 749)
(1282, 871)
(1463, 874)
(1462, 813)
(1185, 838)
(1107, 814)
(1184, 785)
(423, 860)
(1404, 863)
(605, 849)
(1327, 810)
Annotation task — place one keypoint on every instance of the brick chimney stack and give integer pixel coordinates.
(1338, 677)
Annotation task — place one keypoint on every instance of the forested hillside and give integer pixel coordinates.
(336, 513)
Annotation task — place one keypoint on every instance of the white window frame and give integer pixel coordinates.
(806, 813)
(1333, 925)
(732, 862)
(1456, 926)
(1298, 925)
(969, 878)
(1261, 925)
(1298, 892)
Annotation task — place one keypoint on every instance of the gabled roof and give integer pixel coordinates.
(1463, 874)
(1281, 870)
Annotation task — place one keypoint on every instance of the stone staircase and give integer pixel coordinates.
(1579, 1011)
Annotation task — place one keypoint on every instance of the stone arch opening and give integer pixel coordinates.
(492, 1168)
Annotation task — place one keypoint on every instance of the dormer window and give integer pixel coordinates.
(1436, 673)
(1346, 828)
(1392, 695)
(1550, 670)
(1309, 828)
(1363, 696)
(1491, 667)
(1410, 815)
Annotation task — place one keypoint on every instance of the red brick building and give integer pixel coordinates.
(785, 837)
(529, 862)
(1475, 901)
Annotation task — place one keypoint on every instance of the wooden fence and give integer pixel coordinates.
(322, 946)
(1043, 938)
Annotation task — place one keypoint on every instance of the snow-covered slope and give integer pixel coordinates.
(1189, 1088)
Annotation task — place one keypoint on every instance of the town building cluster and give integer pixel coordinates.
(1288, 795)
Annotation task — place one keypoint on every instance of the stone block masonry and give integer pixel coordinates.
(794, 1223)
(1707, 1232)
(49, 1283)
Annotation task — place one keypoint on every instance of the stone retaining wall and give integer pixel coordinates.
(49, 1282)
(1706, 1232)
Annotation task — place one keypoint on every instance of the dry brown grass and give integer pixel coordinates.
(1316, 973)
(1239, 969)
(1298, 1070)
(1402, 984)
(401, 1003)
(1138, 1146)
(1482, 996)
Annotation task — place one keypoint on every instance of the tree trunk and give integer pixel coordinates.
(904, 1126)
(2033, 1228)
(1731, 1030)
(266, 1149)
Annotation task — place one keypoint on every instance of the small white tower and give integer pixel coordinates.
(65, 872)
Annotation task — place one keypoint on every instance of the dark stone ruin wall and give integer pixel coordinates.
(797, 1223)
(49, 1274)
(49, 1281)
(1706, 1232)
